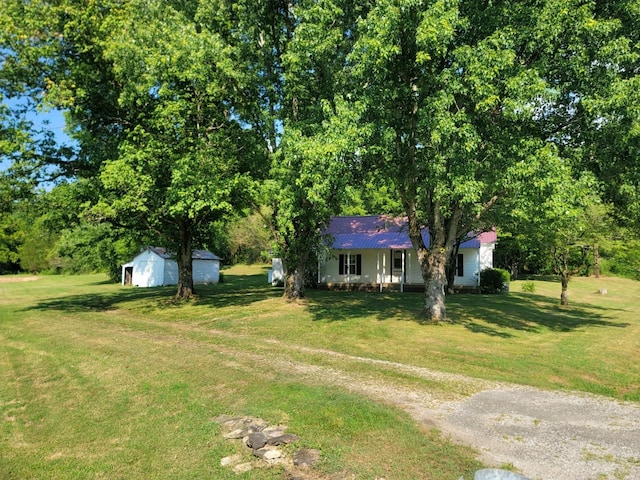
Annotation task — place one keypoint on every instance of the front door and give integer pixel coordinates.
(397, 266)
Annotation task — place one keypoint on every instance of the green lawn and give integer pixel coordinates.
(103, 381)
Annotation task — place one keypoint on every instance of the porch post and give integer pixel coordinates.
(384, 267)
(403, 270)
(378, 274)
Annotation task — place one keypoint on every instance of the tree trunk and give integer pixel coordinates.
(565, 275)
(435, 279)
(294, 281)
(563, 269)
(185, 263)
(452, 267)
(433, 260)
(596, 261)
(514, 268)
(564, 278)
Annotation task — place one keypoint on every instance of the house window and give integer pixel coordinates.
(460, 265)
(397, 260)
(350, 264)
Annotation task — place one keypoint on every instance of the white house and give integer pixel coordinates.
(155, 267)
(376, 252)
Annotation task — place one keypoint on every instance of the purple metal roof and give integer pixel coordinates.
(381, 231)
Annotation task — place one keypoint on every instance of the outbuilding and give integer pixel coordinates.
(155, 267)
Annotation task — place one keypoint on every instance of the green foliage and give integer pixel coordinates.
(11, 237)
(620, 257)
(36, 250)
(442, 111)
(185, 160)
(528, 287)
(310, 175)
(371, 197)
(93, 248)
(215, 238)
(493, 280)
(250, 238)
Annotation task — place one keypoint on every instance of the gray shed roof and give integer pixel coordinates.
(195, 254)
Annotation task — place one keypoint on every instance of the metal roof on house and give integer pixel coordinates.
(383, 231)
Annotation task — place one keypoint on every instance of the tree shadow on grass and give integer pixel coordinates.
(498, 314)
(493, 315)
(340, 306)
(236, 290)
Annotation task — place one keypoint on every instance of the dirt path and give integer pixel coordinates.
(544, 435)
(16, 278)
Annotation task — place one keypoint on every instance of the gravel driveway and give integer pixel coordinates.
(548, 435)
(541, 434)
(544, 435)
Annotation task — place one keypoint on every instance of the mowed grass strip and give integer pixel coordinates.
(90, 388)
(592, 345)
(103, 381)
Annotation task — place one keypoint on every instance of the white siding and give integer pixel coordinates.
(329, 271)
(414, 274)
(277, 272)
(469, 268)
(486, 255)
(377, 267)
(170, 276)
(206, 271)
(151, 270)
(148, 270)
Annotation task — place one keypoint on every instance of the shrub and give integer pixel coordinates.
(493, 280)
(529, 287)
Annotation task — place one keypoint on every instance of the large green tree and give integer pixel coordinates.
(322, 144)
(154, 96)
(186, 162)
(298, 50)
(52, 54)
(53, 57)
(611, 150)
(311, 173)
(468, 97)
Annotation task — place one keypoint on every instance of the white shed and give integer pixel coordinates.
(155, 267)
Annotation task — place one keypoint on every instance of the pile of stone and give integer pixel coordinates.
(267, 445)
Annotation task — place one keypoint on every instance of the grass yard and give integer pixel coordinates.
(103, 381)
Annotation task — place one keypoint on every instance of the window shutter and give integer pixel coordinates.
(460, 265)
(358, 264)
(341, 265)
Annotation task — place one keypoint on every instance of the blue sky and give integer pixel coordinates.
(55, 119)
